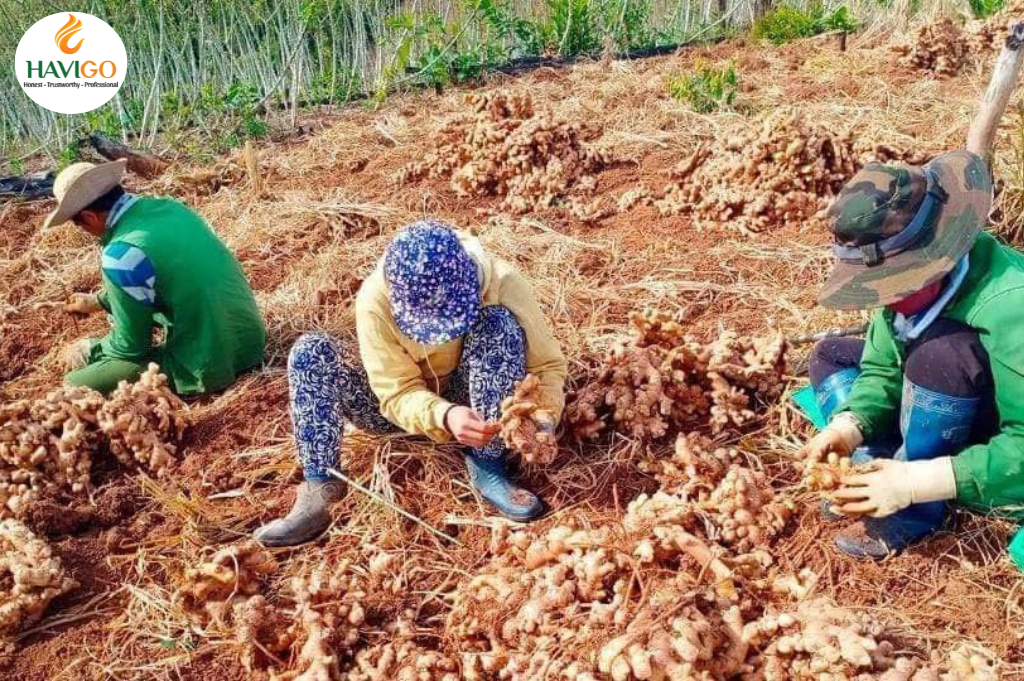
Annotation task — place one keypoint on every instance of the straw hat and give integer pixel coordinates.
(80, 184)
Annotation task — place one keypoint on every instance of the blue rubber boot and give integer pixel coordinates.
(832, 393)
(490, 477)
(932, 425)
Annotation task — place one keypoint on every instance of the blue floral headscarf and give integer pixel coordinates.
(433, 283)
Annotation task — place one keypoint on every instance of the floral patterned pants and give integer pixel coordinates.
(328, 387)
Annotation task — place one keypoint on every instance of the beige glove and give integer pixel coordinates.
(83, 303)
(891, 486)
(76, 355)
(841, 436)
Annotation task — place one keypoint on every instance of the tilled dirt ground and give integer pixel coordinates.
(329, 203)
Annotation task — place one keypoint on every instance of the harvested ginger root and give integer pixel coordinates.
(505, 148)
(30, 578)
(522, 421)
(46, 446)
(230, 576)
(144, 421)
(940, 47)
(664, 381)
(825, 476)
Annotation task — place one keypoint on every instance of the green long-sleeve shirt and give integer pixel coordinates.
(164, 267)
(991, 301)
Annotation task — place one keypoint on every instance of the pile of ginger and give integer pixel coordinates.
(665, 381)
(30, 578)
(508, 149)
(47, 444)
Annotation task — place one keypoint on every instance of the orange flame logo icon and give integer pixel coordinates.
(66, 33)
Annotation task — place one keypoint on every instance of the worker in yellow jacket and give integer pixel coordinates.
(444, 333)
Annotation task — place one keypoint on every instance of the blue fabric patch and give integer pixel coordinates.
(129, 269)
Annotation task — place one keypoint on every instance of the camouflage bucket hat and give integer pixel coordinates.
(900, 229)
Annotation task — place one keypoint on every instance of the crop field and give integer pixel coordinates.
(669, 213)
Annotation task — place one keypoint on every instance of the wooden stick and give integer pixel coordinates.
(393, 506)
(829, 333)
(252, 167)
(981, 136)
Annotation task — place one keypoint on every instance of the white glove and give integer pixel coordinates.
(841, 436)
(76, 355)
(890, 486)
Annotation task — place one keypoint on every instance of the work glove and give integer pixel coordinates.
(83, 303)
(76, 355)
(890, 486)
(841, 436)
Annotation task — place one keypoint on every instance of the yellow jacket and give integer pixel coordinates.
(408, 377)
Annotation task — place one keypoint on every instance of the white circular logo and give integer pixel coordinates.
(70, 62)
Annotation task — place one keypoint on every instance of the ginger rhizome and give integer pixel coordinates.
(30, 578)
(401, 657)
(144, 421)
(757, 178)
(46, 446)
(229, 577)
(940, 47)
(525, 426)
(506, 148)
(311, 626)
(826, 475)
(762, 177)
(664, 381)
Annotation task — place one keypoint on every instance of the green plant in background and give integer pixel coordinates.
(241, 100)
(628, 22)
(706, 88)
(784, 24)
(984, 8)
(572, 27)
(70, 153)
(525, 37)
(839, 20)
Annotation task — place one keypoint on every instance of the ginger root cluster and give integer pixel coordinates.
(525, 426)
(505, 148)
(664, 381)
(46, 446)
(30, 578)
(784, 171)
(940, 47)
(144, 421)
(402, 658)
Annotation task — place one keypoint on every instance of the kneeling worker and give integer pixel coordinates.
(938, 385)
(444, 332)
(162, 266)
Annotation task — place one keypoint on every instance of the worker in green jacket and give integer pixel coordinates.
(162, 267)
(933, 400)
